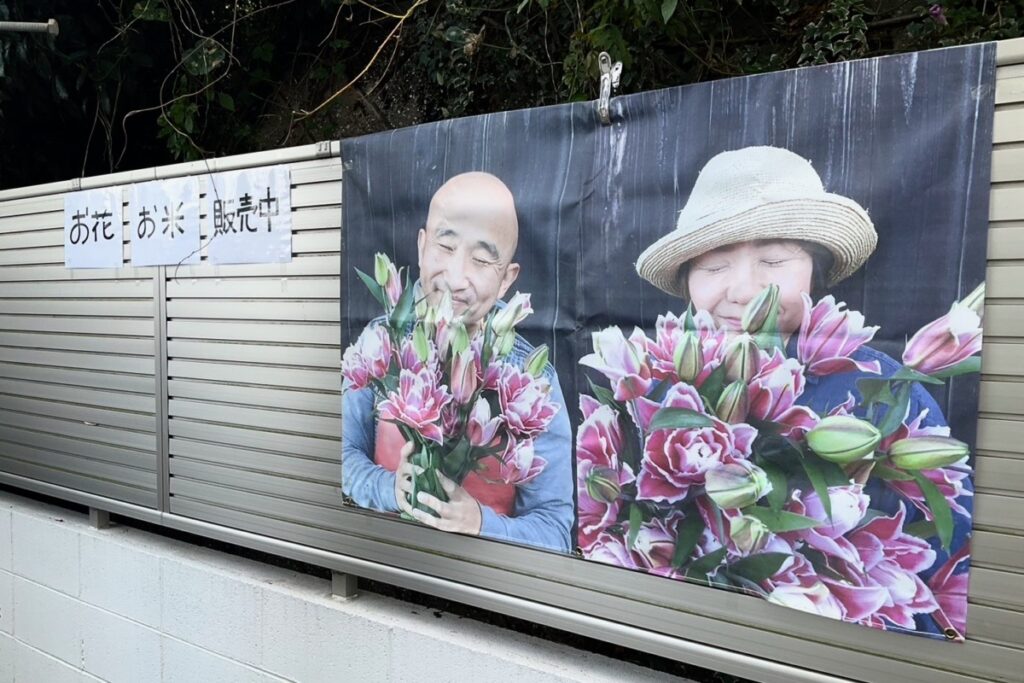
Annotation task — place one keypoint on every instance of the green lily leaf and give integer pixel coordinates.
(679, 418)
(701, 567)
(782, 520)
(941, 512)
(964, 367)
(780, 484)
(757, 568)
(376, 290)
(915, 376)
(688, 531)
(812, 466)
(636, 518)
(897, 412)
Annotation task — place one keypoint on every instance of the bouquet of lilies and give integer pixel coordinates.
(452, 394)
(699, 462)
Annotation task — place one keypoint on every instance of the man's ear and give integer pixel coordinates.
(421, 241)
(511, 273)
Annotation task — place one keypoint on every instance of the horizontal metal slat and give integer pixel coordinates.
(316, 218)
(1000, 474)
(314, 425)
(1004, 282)
(996, 588)
(299, 265)
(1005, 436)
(33, 238)
(105, 435)
(68, 342)
(1007, 164)
(994, 549)
(91, 361)
(994, 625)
(85, 378)
(1009, 90)
(253, 438)
(993, 512)
(145, 460)
(31, 222)
(1001, 359)
(1008, 125)
(321, 402)
(85, 414)
(71, 394)
(112, 326)
(269, 484)
(1005, 241)
(1005, 202)
(303, 356)
(21, 273)
(307, 468)
(302, 311)
(78, 482)
(292, 378)
(272, 506)
(20, 207)
(264, 288)
(1002, 397)
(128, 476)
(317, 172)
(317, 194)
(36, 256)
(1005, 320)
(324, 334)
(317, 242)
(122, 308)
(140, 288)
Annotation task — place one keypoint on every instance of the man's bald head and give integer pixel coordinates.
(469, 242)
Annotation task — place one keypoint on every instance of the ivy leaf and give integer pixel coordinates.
(679, 418)
(942, 515)
(757, 568)
(781, 520)
(668, 8)
(226, 101)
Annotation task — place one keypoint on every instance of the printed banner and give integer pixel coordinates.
(744, 318)
(164, 219)
(250, 216)
(93, 233)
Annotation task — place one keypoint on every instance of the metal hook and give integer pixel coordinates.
(610, 75)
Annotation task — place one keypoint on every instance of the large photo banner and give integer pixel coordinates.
(732, 338)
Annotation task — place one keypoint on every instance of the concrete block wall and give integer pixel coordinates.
(119, 604)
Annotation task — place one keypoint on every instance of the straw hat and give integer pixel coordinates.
(759, 193)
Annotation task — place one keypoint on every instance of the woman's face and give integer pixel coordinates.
(724, 280)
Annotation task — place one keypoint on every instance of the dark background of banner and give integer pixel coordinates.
(909, 137)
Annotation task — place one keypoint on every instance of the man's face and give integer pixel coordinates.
(724, 280)
(466, 249)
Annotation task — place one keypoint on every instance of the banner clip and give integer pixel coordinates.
(610, 75)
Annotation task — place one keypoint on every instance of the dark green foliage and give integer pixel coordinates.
(135, 83)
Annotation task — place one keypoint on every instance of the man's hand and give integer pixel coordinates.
(403, 479)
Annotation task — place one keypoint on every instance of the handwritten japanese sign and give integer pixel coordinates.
(250, 216)
(92, 229)
(164, 220)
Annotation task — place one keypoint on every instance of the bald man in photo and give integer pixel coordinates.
(467, 249)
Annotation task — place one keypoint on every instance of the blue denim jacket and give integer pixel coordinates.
(544, 510)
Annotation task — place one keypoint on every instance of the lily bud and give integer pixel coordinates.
(749, 534)
(687, 358)
(537, 361)
(514, 313)
(503, 345)
(843, 439)
(736, 485)
(458, 336)
(927, 452)
(759, 308)
(733, 404)
(603, 485)
(975, 300)
(381, 266)
(741, 359)
(463, 380)
(420, 344)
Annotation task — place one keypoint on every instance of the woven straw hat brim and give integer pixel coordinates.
(835, 222)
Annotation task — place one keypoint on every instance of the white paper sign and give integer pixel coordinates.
(93, 230)
(164, 220)
(250, 216)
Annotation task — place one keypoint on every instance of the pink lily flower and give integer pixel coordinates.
(525, 402)
(599, 471)
(623, 361)
(849, 505)
(520, 463)
(368, 358)
(945, 342)
(481, 428)
(464, 378)
(611, 549)
(773, 392)
(418, 403)
(668, 334)
(829, 335)
(950, 591)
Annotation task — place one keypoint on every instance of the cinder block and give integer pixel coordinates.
(5, 538)
(118, 650)
(33, 666)
(6, 602)
(48, 621)
(348, 646)
(120, 578)
(46, 551)
(217, 612)
(6, 659)
(184, 663)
